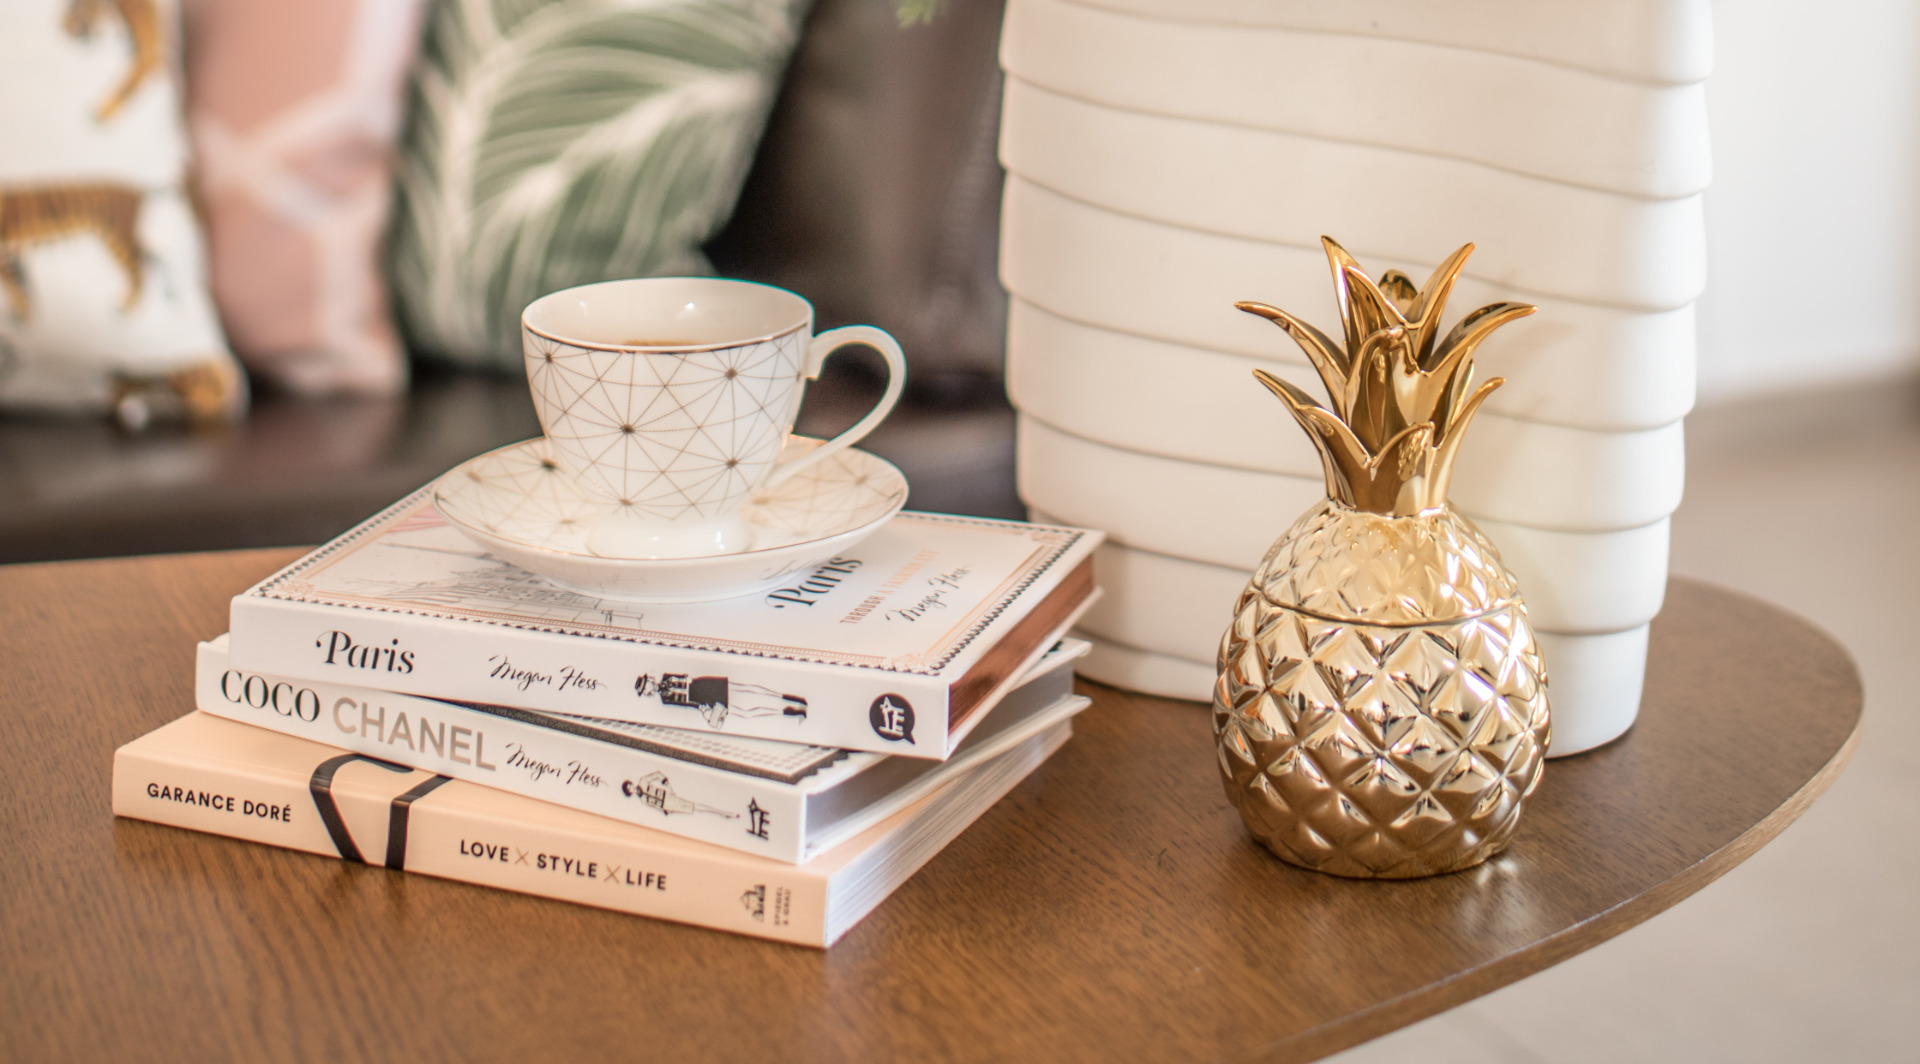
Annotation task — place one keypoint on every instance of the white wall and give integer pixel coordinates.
(1813, 220)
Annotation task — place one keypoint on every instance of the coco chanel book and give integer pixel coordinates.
(897, 647)
(787, 801)
(214, 775)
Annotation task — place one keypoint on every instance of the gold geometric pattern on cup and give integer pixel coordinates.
(667, 435)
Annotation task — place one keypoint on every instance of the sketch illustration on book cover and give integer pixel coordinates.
(497, 586)
(654, 789)
(716, 697)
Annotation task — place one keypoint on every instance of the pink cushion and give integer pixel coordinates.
(293, 108)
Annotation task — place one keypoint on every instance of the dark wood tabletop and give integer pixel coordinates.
(1111, 908)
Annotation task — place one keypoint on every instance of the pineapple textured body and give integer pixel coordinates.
(1381, 709)
(1382, 706)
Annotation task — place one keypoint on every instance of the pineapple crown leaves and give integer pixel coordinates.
(1399, 392)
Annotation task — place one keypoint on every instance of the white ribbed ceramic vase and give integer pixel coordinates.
(1166, 158)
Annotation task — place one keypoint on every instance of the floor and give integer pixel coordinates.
(1810, 951)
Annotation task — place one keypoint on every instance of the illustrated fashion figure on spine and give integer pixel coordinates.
(717, 697)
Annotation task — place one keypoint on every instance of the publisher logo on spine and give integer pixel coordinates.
(892, 718)
(757, 903)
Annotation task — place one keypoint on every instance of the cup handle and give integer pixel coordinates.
(826, 344)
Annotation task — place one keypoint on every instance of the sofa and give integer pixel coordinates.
(875, 193)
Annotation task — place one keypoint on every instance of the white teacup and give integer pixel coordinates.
(668, 399)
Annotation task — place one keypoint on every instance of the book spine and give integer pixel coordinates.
(695, 801)
(459, 841)
(226, 800)
(500, 664)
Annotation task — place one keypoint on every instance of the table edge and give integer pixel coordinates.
(1468, 985)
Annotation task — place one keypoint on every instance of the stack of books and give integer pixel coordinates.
(774, 765)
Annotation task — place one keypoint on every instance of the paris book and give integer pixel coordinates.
(895, 646)
(211, 774)
(781, 800)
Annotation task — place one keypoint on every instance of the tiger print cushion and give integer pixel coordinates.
(103, 301)
(294, 108)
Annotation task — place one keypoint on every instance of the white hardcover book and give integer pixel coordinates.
(894, 647)
(210, 774)
(787, 801)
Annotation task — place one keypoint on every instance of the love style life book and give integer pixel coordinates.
(892, 647)
(781, 800)
(219, 776)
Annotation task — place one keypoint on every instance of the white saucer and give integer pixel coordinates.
(516, 504)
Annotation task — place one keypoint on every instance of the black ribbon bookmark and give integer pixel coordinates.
(321, 787)
(397, 821)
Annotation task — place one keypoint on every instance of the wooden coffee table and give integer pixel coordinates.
(1111, 908)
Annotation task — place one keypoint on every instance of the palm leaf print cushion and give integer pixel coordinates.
(558, 142)
(103, 297)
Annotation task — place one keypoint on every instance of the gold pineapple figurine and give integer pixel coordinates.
(1381, 709)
